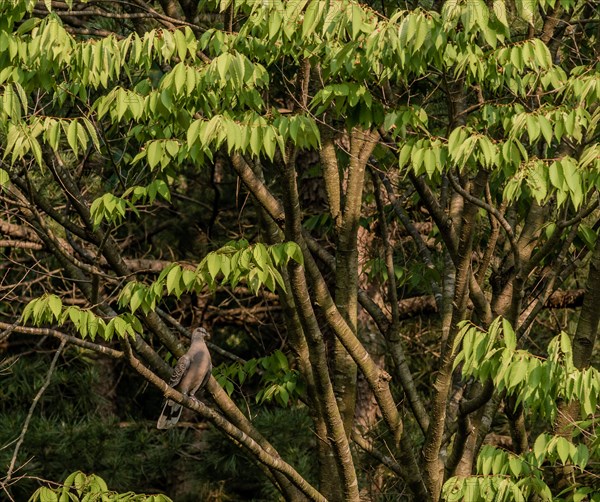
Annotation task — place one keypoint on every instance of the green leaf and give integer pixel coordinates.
(179, 77)
(488, 151)
(500, 465)
(209, 130)
(39, 310)
(499, 7)
(173, 279)
(357, 20)
(311, 19)
(281, 360)
(455, 141)
(274, 22)
(93, 325)
(180, 44)
(4, 178)
(55, 304)
(261, 256)
(525, 9)
(53, 135)
(75, 315)
(565, 343)
(163, 189)
(47, 495)
(193, 132)
(278, 253)
(518, 373)
(190, 81)
(137, 299)
(294, 252)
(587, 235)
(213, 261)
(515, 466)
(539, 447)
(535, 374)
(555, 172)
(155, 153)
(562, 448)
(72, 136)
(422, 32)
(533, 128)
(510, 339)
(581, 456)
(429, 161)
(546, 128)
(269, 142)
(405, 155)
(225, 267)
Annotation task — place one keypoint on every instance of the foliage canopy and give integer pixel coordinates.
(342, 174)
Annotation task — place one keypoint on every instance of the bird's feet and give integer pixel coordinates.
(195, 400)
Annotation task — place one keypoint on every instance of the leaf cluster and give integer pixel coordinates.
(539, 384)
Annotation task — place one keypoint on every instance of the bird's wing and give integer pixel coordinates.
(200, 368)
(207, 375)
(182, 366)
(191, 373)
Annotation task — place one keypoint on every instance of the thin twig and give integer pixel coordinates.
(414, 233)
(495, 213)
(368, 447)
(31, 410)
(186, 332)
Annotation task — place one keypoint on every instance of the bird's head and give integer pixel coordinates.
(200, 334)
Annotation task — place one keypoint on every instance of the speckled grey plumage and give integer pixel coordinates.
(189, 376)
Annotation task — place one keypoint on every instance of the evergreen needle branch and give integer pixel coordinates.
(34, 403)
(368, 447)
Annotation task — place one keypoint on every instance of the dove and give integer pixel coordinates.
(189, 376)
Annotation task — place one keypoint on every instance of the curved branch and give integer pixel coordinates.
(316, 346)
(414, 233)
(31, 410)
(226, 427)
(101, 349)
(495, 213)
(443, 222)
(392, 337)
(389, 462)
(552, 242)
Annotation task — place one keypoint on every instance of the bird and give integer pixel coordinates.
(189, 376)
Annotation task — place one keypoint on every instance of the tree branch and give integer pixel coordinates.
(34, 403)
(226, 427)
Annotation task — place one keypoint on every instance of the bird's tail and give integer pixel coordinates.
(170, 415)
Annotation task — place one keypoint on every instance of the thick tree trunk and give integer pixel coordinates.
(339, 483)
(434, 471)
(587, 327)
